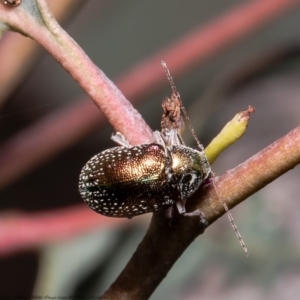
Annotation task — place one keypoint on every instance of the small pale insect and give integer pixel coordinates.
(126, 181)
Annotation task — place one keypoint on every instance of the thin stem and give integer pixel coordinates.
(21, 231)
(145, 78)
(151, 262)
(40, 25)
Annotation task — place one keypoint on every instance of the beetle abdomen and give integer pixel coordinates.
(127, 181)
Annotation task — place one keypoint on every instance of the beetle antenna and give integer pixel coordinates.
(200, 146)
(175, 92)
(231, 220)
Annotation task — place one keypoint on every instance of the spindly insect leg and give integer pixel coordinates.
(120, 139)
(180, 204)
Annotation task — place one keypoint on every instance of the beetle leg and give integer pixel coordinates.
(174, 138)
(180, 140)
(180, 204)
(197, 213)
(169, 213)
(160, 140)
(205, 165)
(120, 139)
(171, 137)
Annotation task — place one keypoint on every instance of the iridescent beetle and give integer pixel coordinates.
(128, 180)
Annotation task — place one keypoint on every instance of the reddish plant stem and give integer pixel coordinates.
(151, 262)
(18, 53)
(258, 11)
(21, 231)
(238, 184)
(204, 41)
(67, 52)
(52, 134)
(146, 78)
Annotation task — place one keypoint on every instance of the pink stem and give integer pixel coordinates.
(62, 129)
(21, 231)
(196, 47)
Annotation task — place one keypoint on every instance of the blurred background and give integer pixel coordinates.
(224, 56)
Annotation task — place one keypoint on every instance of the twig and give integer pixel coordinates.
(163, 245)
(145, 78)
(22, 231)
(150, 264)
(34, 18)
(23, 52)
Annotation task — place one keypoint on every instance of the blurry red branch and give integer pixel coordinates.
(22, 231)
(62, 129)
(18, 53)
